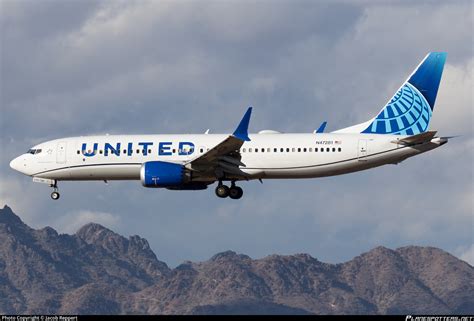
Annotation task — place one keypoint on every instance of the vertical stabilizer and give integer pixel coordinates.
(410, 109)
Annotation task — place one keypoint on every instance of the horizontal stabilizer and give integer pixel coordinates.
(416, 139)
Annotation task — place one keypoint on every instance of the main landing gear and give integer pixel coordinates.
(55, 194)
(234, 192)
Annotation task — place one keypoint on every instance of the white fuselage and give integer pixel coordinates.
(266, 156)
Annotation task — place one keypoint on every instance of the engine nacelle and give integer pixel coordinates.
(162, 174)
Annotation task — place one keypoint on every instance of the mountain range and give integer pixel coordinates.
(97, 271)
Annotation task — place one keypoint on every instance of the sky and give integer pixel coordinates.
(71, 68)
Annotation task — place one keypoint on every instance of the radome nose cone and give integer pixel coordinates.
(14, 164)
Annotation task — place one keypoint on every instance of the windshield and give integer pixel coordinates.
(34, 151)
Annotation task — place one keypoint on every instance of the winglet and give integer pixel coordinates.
(321, 128)
(242, 131)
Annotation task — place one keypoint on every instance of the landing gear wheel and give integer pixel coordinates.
(55, 195)
(235, 192)
(222, 191)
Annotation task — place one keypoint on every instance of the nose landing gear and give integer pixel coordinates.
(55, 194)
(234, 192)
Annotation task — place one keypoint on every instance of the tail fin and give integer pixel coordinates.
(409, 111)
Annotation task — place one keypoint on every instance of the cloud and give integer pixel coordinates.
(467, 254)
(73, 221)
(454, 113)
(11, 195)
(23, 197)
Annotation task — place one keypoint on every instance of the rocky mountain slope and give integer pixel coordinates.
(97, 271)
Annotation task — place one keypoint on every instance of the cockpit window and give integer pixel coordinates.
(34, 151)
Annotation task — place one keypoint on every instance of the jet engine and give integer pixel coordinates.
(162, 174)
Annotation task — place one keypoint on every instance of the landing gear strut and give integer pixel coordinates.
(55, 194)
(234, 192)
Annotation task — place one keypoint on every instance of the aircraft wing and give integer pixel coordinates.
(416, 139)
(224, 157)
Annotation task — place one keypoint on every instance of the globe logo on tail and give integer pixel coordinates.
(407, 113)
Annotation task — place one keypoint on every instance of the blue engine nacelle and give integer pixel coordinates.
(162, 174)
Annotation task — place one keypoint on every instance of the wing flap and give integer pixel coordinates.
(232, 160)
(232, 169)
(211, 157)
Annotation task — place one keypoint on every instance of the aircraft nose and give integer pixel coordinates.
(16, 164)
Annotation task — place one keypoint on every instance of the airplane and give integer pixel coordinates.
(193, 162)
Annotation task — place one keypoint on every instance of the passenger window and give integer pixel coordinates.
(275, 150)
(322, 149)
(243, 150)
(304, 150)
(282, 149)
(293, 149)
(138, 151)
(100, 151)
(287, 150)
(334, 149)
(299, 150)
(256, 150)
(201, 150)
(269, 150)
(263, 150)
(327, 149)
(339, 149)
(149, 151)
(310, 149)
(78, 152)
